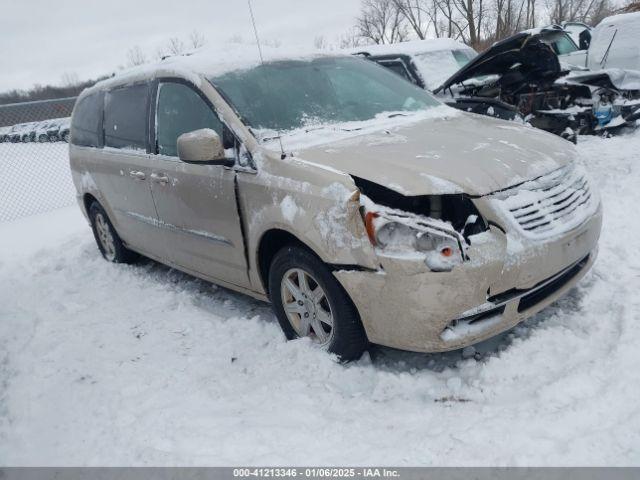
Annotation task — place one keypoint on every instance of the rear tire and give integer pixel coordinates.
(109, 243)
(316, 304)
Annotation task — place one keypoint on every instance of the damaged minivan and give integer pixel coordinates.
(356, 203)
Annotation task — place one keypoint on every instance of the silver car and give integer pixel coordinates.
(361, 207)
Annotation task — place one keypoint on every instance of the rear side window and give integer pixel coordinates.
(181, 110)
(86, 124)
(396, 66)
(125, 117)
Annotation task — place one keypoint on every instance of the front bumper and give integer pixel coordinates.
(406, 306)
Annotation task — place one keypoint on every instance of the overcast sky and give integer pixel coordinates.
(41, 41)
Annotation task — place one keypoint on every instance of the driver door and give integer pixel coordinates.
(196, 204)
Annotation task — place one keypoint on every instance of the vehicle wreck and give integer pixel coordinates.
(521, 76)
(354, 211)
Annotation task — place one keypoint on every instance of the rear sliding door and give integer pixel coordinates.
(127, 164)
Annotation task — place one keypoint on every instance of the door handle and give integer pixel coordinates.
(137, 175)
(163, 179)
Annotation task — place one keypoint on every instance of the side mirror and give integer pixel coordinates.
(202, 146)
(585, 39)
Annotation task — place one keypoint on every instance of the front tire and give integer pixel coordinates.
(109, 243)
(309, 301)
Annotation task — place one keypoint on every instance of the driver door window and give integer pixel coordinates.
(181, 110)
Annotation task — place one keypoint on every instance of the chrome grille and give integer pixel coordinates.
(551, 204)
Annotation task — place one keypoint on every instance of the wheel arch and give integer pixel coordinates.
(271, 242)
(87, 200)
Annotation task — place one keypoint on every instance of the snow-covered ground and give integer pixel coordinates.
(139, 365)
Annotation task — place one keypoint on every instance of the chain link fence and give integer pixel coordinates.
(34, 158)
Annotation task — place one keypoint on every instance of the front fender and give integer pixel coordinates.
(319, 207)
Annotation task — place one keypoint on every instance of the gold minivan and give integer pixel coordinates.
(361, 207)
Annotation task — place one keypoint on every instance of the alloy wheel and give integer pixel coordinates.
(105, 237)
(307, 306)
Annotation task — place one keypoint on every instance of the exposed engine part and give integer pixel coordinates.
(457, 209)
(524, 73)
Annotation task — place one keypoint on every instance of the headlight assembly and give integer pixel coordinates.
(397, 232)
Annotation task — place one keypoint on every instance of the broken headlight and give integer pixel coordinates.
(402, 233)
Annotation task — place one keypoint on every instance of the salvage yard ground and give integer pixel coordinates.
(139, 365)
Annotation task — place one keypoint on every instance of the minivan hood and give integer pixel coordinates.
(523, 52)
(464, 153)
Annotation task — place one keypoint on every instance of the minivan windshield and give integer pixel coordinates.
(292, 94)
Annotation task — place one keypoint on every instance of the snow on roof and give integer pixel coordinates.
(621, 18)
(412, 47)
(210, 61)
(546, 28)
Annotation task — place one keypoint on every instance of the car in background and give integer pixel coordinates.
(580, 33)
(563, 45)
(4, 131)
(614, 43)
(428, 63)
(42, 130)
(14, 135)
(524, 72)
(64, 129)
(28, 132)
(54, 130)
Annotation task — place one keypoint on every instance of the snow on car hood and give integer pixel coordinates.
(460, 153)
(608, 78)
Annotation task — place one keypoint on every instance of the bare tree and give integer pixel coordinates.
(381, 22)
(419, 15)
(578, 10)
(453, 23)
(196, 39)
(320, 42)
(512, 16)
(603, 9)
(175, 46)
(69, 79)
(160, 52)
(135, 56)
(350, 39)
(631, 6)
(473, 14)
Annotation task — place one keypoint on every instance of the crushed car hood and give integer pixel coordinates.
(523, 52)
(465, 153)
(611, 78)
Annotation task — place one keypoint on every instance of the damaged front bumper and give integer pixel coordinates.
(405, 305)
